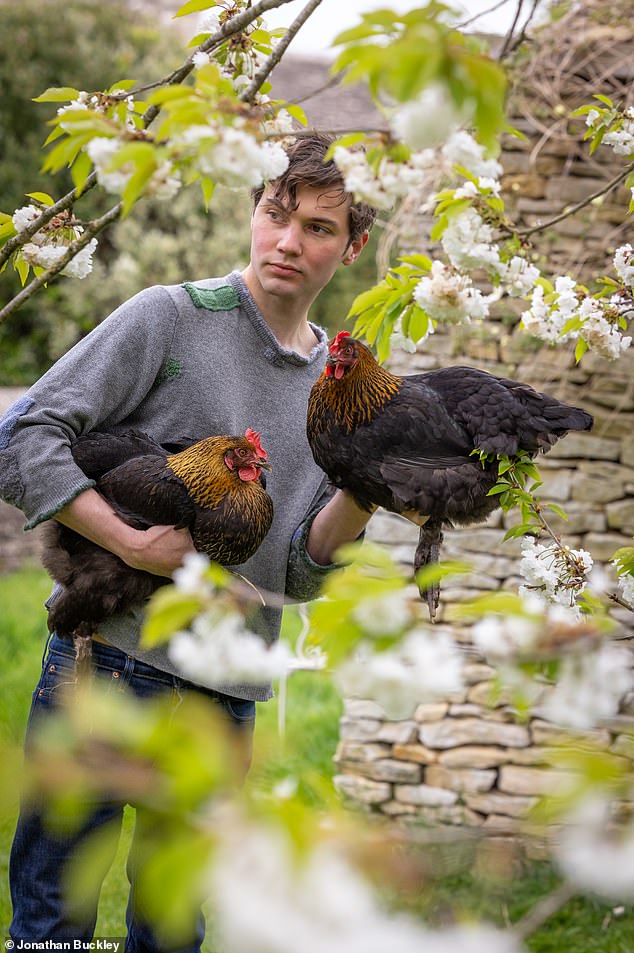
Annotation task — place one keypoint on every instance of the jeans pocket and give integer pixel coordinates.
(240, 710)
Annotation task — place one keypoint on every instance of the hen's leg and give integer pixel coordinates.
(427, 553)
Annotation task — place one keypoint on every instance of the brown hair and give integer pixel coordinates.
(306, 166)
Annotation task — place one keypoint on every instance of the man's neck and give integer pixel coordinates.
(286, 317)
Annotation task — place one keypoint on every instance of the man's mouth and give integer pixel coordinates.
(283, 268)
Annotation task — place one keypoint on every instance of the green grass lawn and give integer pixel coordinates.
(449, 882)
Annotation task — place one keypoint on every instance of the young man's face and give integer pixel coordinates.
(295, 252)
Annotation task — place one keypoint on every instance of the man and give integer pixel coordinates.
(215, 356)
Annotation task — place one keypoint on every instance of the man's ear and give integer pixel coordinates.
(354, 249)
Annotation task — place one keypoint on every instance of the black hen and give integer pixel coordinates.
(404, 443)
(214, 487)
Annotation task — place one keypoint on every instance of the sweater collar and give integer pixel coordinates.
(273, 350)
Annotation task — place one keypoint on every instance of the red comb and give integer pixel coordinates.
(253, 436)
(338, 341)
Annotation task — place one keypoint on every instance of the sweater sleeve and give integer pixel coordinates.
(305, 577)
(99, 382)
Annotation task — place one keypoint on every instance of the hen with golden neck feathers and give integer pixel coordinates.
(214, 487)
(405, 443)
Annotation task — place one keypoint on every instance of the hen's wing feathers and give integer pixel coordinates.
(145, 491)
(98, 453)
(502, 415)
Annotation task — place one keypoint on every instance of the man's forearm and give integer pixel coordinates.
(341, 521)
(159, 550)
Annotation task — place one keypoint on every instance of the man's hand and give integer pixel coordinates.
(159, 550)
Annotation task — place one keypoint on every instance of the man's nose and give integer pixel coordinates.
(290, 239)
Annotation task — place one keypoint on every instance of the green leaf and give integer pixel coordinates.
(193, 6)
(419, 323)
(521, 530)
(41, 197)
(418, 261)
(557, 509)
(580, 349)
(169, 610)
(208, 188)
(604, 99)
(57, 94)
(22, 268)
(80, 170)
(297, 113)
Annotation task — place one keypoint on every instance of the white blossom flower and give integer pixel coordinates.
(626, 586)
(190, 577)
(24, 216)
(391, 181)
(559, 573)
(219, 649)
(81, 265)
(462, 149)
(238, 159)
(266, 900)
(384, 614)
(448, 296)
(624, 264)
(593, 855)
(589, 687)
(428, 120)
(421, 667)
(621, 140)
(208, 21)
(467, 191)
(518, 276)
(47, 254)
(468, 242)
(200, 59)
(600, 334)
(165, 183)
(592, 117)
(102, 151)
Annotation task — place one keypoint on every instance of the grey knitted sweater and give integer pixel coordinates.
(178, 361)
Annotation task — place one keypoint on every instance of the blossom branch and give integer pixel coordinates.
(509, 35)
(92, 229)
(232, 26)
(279, 51)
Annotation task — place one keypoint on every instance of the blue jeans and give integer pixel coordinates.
(41, 911)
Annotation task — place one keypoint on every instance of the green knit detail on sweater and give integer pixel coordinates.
(224, 298)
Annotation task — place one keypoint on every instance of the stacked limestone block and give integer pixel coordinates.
(464, 761)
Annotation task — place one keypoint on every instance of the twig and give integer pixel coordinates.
(509, 35)
(277, 54)
(483, 13)
(522, 34)
(525, 232)
(543, 910)
(92, 229)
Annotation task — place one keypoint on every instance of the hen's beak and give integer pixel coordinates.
(263, 465)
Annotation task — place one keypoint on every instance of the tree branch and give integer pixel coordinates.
(509, 35)
(525, 232)
(277, 54)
